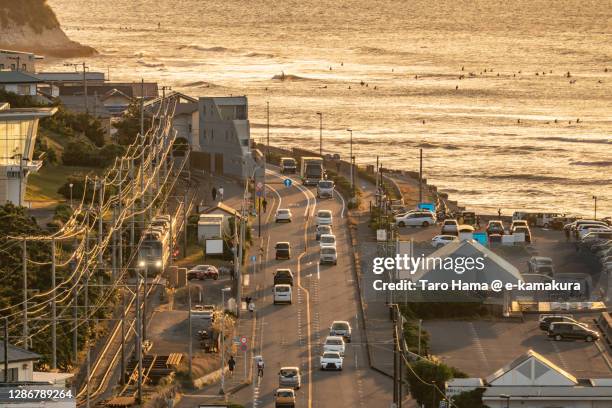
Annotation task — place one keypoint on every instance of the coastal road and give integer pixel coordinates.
(292, 335)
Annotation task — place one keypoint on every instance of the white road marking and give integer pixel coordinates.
(343, 203)
(318, 271)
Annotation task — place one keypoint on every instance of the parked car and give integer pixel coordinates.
(334, 343)
(284, 398)
(283, 215)
(571, 331)
(523, 230)
(324, 217)
(449, 227)
(441, 240)
(290, 377)
(282, 294)
(283, 250)
(341, 328)
(203, 272)
(331, 360)
(328, 255)
(283, 276)
(323, 229)
(518, 223)
(327, 240)
(495, 227)
(417, 218)
(540, 264)
(546, 320)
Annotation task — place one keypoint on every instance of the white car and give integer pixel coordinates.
(334, 343)
(415, 219)
(331, 360)
(450, 227)
(283, 215)
(324, 217)
(323, 229)
(441, 240)
(328, 254)
(341, 328)
(327, 240)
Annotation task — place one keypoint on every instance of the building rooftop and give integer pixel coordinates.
(16, 354)
(18, 77)
(6, 112)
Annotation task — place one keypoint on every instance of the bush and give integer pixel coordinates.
(470, 399)
(62, 213)
(81, 153)
(421, 387)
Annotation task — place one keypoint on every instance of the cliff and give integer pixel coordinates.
(31, 25)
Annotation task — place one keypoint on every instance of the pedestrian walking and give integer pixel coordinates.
(265, 204)
(220, 192)
(499, 212)
(231, 364)
(214, 193)
(260, 367)
(251, 305)
(478, 221)
(567, 234)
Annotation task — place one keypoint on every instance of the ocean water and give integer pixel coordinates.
(481, 85)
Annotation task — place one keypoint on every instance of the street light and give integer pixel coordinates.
(226, 289)
(320, 133)
(507, 398)
(433, 394)
(595, 200)
(70, 185)
(351, 157)
(145, 265)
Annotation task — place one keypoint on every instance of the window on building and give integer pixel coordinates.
(12, 67)
(244, 142)
(13, 375)
(24, 67)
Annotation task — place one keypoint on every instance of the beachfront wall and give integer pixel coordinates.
(224, 137)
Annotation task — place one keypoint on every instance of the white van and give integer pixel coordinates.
(329, 255)
(282, 294)
(325, 189)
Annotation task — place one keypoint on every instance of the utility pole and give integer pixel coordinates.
(114, 245)
(595, 209)
(122, 364)
(100, 188)
(53, 309)
(185, 225)
(142, 106)
(144, 297)
(75, 315)
(190, 329)
(88, 371)
(85, 68)
(320, 133)
(138, 339)
(268, 129)
(25, 294)
(395, 354)
(133, 217)
(6, 344)
(87, 272)
(420, 175)
(351, 158)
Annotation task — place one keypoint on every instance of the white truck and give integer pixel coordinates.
(311, 170)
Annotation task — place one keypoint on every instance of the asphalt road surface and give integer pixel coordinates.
(292, 335)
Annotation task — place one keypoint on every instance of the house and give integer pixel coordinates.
(19, 82)
(18, 61)
(20, 363)
(533, 381)
(224, 210)
(224, 137)
(18, 131)
(185, 120)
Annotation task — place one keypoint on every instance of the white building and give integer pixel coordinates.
(18, 61)
(532, 381)
(18, 131)
(224, 137)
(19, 82)
(20, 363)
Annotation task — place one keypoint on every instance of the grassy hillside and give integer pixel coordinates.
(33, 13)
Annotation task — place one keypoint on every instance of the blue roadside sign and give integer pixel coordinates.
(481, 238)
(253, 258)
(287, 182)
(427, 206)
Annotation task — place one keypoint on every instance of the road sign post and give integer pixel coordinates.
(287, 182)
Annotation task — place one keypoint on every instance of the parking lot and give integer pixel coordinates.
(480, 347)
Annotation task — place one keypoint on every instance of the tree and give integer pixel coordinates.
(422, 388)
(470, 399)
(129, 125)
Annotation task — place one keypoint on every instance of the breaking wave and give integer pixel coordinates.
(205, 49)
(259, 54)
(573, 140)
(602, 163)
(290, 77)
(151, 64)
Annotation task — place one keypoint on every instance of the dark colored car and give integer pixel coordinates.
(571, 331)
(547, 320)
(203, 272)
(283, 276)
(283, 250)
